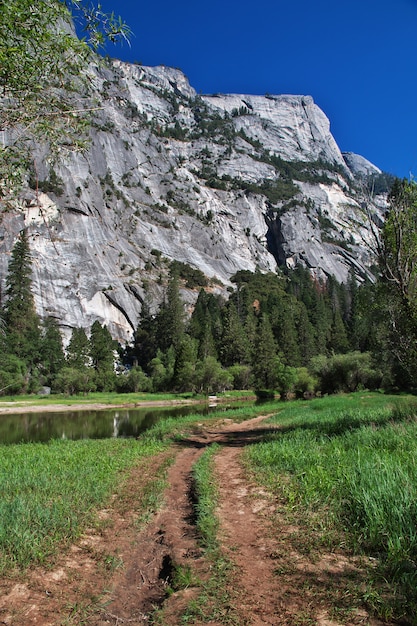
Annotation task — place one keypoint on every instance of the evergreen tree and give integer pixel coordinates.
(364, 318)
(170, 319)
(283, 321)
(145, 343)
(185, 360)
(22, 324)
(102, 354)
(264, 358)
(78, 350)
(203, 322)
(306, 336)
(235, 347)
(321, 318)
(52, 351)
(339, 341)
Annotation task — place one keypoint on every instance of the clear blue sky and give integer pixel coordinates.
(357, 58)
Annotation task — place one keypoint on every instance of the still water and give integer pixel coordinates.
(41, 427)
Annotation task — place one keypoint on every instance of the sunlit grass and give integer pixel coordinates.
(353, 460)
(49, 491)
(114, 398)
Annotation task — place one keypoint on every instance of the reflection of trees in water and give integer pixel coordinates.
(103, 424)
(42, 427)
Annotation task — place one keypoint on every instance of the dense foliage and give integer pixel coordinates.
(281, 332)
(277, 333)
(44, 93)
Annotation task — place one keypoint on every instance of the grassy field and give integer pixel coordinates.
(351, 463)
(113, 398)
(49, 491)
(346, 466)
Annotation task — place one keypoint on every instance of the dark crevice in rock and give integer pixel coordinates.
(112, 300)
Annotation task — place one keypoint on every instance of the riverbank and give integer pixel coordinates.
(143, 554)
(27, 407)
(98, 402)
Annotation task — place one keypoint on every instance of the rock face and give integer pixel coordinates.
(220, 183)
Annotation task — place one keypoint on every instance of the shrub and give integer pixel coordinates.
(71, 380)
(134, 381)
(305, 383)
(12, 375)
(345, 372)
(241, 376)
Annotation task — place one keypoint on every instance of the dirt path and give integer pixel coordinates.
(273, 581)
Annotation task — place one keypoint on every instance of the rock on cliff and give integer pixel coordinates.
(219, 183)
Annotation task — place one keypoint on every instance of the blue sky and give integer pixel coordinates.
(357, 58)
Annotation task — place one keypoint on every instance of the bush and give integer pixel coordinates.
(305, 383)
(345, 372)
(210, 377)
(241, 376)
(134, 381)
(13, 373)
(73, 381)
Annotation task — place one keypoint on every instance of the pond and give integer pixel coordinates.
(86, 424)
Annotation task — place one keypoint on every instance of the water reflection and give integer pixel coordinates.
(103, 424)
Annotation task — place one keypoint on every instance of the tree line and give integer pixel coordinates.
(279, 332)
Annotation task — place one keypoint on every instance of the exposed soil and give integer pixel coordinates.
(119, 573)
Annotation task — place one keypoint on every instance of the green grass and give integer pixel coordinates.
(114, 398)
(50, 491)
(206, 500)
(97, 397)
(213, 602)
(352, 460)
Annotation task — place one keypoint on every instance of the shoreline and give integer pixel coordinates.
(9, 407)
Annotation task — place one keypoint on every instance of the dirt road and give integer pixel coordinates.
(119, 575)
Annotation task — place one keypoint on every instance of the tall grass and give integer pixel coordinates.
(357, 465)
(206, 499)
(213, 602)
(49, 491)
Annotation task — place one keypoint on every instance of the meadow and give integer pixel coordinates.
(50, 491)
(347, 465)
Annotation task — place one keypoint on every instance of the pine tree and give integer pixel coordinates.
(264, 359)
(52, 352)
(185, 360)
(102, 347)
(235, 347)
(283, 321)
(170, 320)
(22, 324)
(102, 354)
(78, 350)
(339, 341)
(145, 345)
(306, 336)
(202, 325)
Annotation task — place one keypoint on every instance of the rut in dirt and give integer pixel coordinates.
(171, 540)
(168, 542)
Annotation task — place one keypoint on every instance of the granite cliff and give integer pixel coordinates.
(220, 183)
